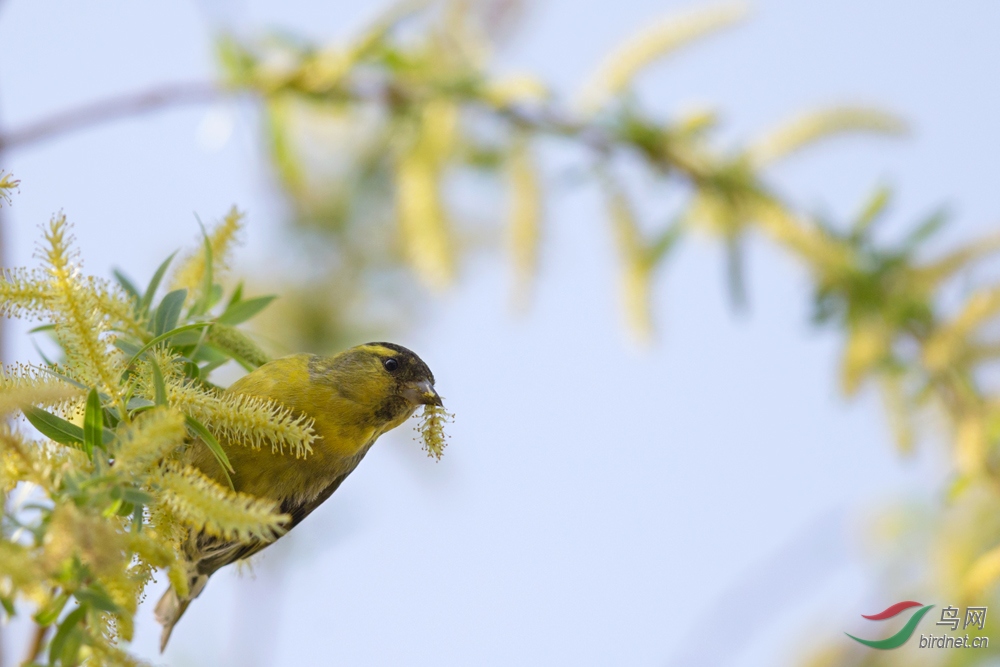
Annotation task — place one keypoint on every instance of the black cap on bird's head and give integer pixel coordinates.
(415, 379)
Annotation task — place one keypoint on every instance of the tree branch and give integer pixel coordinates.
(114, 108)
(37, 643)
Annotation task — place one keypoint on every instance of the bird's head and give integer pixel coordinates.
(404, 372)
(389, 378)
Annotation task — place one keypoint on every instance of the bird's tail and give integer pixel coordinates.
(171, 607)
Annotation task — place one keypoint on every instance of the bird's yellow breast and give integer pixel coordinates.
(345, 413)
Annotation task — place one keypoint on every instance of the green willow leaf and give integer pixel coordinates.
(241, 311)
(147, 298)
(97, 599)
(167, 336)
(169, 311)
(64, 378)
(159, 386)
(55, 428)
(925, 229)
(48, 614)
(664, 243)
(185, 339)
(213, 446)
(205, 301)
(137, 518)
(128, 347)
(872, 211)
(41, 353)
(93, 424)
(127, 285)
(139, 403)
(62, 633)
(236, 296)
(135, 496)
(735, 274)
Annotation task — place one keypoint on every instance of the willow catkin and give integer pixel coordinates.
(431, 429)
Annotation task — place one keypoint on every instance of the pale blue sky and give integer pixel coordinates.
(599, 504)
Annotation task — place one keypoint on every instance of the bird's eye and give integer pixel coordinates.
(390, 364)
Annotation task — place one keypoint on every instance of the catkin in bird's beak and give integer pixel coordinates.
(421, 393)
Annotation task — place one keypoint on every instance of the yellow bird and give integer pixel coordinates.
(353, 397)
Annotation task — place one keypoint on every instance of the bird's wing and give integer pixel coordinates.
(300, 510)
(213, 552)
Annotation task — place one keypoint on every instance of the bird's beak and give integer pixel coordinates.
(421, 393)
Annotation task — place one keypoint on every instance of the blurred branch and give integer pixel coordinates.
(111, 109)
(544, 119)
(36, 644)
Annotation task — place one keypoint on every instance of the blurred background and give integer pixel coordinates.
(704, 495)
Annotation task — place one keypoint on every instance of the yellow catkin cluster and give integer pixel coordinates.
(23, 293)
(524, 216)
(167, 536)
(246, 420)
(95, 541)
(424, 222)
(107, 653)
(21, 461)
(61, 294)
(206, 506)
(955, 339)
(190, 275)
(808, 128)
(150, 554)
(7, 184)
(11, 469)
(81, 324)
(113, 303)
(124, 591)
(658, 39)
(22, 385)
(18, 568)
(151, 438)
(431, 429)
(636, 266)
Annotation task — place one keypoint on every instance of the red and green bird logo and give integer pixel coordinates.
(905, 632)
